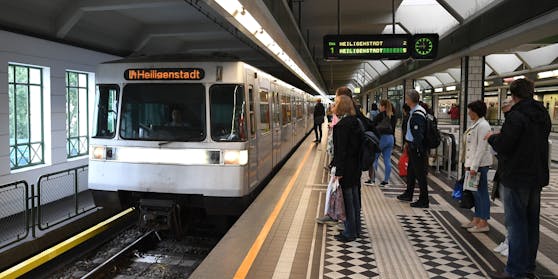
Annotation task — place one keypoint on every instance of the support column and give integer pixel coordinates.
(472, 89)
(384, 93)
(502, 96)
(408, 85)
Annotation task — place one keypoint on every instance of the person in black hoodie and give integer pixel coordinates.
(319, 113)
(522, 145)
(346, 142)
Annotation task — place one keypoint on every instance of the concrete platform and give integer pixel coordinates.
(277, 237)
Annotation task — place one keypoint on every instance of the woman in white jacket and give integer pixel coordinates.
(477, 159)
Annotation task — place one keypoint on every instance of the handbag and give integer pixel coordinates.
(403, 163)
(458, 190)
(471, 182)
(467, 200)
(336, 208)
(384, 127)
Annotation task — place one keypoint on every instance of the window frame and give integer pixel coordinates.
(210, 129)
(68, 119)
(29, 143)
(261, 126)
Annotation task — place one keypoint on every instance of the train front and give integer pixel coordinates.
(169, 132)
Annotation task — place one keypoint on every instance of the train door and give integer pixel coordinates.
(252, 140)
(276, 123)
(264, 134)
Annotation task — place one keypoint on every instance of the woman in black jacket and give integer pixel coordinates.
(384, 124)
(346, 142)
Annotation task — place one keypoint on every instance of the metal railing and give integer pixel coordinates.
(14, 212)
(66, 188)
(57, 198)
(447, 157)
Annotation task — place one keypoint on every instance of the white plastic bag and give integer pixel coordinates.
(471, 183)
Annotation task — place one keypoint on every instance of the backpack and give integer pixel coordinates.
(432, 138)
(370, 145)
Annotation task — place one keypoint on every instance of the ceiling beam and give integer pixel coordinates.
(72, 14)
(451, 10)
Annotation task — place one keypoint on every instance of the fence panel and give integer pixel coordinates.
(14, 212)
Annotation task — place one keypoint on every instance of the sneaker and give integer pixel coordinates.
(369, 182)
(384, 183)
(325, 219)
(405, 197)
(468, 225)
(341, 226)
(476, 229)
(501, 247)
(505, 252)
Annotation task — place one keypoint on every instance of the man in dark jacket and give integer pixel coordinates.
(417, 151)
(523, 146)
(319, 114)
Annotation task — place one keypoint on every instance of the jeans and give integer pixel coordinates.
(482, 199)
(416, 170)
(318, 128)
(386, 146)
(522, 208)
(352, 211)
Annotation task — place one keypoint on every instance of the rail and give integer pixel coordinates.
(14, 212)
(24, 207)
(447, 156)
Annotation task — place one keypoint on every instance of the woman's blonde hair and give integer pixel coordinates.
(388, 106)
(344, 105)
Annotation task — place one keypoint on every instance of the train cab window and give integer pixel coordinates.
(163, 112)
(106, 100)
(252, 113)
(265, 114)
(228, 112)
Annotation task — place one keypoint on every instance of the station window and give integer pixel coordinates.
(77, 123)
(264, 113)
(25, 94)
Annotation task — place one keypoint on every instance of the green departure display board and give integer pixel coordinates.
(375, 47)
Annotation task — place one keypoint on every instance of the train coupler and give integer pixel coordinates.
(160, 215)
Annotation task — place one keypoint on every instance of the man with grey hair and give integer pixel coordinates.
(417, 151)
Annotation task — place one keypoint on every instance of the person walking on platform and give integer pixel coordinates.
(417, 151)
(454, 114)
(384, 124)
(319, 114)
(346, 143)
(522, 143)
(477, 160)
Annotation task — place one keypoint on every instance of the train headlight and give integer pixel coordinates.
(235, 157)
(99, 153)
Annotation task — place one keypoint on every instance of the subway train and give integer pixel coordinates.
(203, 135)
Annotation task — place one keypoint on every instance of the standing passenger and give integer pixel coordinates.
(478, 159)
(523, 146)
(373, 112)
(417, 151)
(385, 123)
(319, 113)
(346, 143)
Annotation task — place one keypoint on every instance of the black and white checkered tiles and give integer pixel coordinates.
(349, 260)
(439, 253)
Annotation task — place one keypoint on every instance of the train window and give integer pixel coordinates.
(252, 114)
(228, 112)
(299, 109)
(163, 112)
(264, 112)
(106, 100)
(286, 109)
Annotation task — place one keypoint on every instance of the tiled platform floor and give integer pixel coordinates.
(399, 241)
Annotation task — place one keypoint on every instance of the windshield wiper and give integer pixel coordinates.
(165, 143)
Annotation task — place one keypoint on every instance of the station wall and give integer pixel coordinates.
(55, 59)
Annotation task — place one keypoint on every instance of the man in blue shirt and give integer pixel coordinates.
(417, 151)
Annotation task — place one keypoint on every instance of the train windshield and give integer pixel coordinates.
(228, 112)
(163, 112)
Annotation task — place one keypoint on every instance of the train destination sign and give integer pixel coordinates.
(374, 47)
(165, 74)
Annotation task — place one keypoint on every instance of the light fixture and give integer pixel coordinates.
(547, 74)
(357, 90)
(451, 88)
(438, 90)
(235, 9)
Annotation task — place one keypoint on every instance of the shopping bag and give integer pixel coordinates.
(457, 190)
(336, 208)
(330, 188)
(471, 182)
(467, 200)
(403, 163)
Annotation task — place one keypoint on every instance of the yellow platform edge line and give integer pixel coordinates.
(250, 257)
(55, 251)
